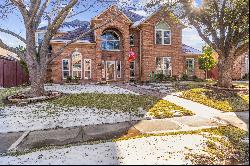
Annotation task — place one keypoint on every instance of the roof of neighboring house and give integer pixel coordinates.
(190, 50)
(8, 55)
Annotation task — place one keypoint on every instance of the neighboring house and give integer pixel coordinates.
(103, 54)
(239, 70)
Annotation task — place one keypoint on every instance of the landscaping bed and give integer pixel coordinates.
(25, 98)
(221, 100)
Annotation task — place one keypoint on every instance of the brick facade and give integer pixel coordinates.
(144, 35)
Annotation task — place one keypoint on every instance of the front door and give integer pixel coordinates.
(110, 70)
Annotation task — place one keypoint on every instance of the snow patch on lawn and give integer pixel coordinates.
(44, 116)
(88, 88)
(160, 150)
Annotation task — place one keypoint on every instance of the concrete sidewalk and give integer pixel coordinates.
(72, 135)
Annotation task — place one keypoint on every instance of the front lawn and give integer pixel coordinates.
(228, 102)
(124, 102)
(119, 102)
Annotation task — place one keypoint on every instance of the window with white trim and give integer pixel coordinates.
(190, 66)
(87, 69)
(118, 69)
(164, 65)
(110, 41)
(77, 65)
(132, 69)
(65, 68)
(162, 33)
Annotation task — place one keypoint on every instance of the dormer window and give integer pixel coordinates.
(110, 41)
(162, 34)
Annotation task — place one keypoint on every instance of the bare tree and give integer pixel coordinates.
(32, 12)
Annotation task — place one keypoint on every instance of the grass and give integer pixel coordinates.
(225, 146)
(7, 92)
(116, 102)
(164, 109)
(187, 85)
(224, 101)
(123, 102)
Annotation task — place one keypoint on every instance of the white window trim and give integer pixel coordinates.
(193, 62)
(130, 69)
(81, 64)
(120, 72)
(119, 40)
(162, 36)
(84, 60)
(166, 57)
(65, 70)
(36, 36)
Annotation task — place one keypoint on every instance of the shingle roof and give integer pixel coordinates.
(88, 38)
(134, 17)
(190, 50)
(70, 26)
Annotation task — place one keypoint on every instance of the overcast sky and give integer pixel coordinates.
(13, 23)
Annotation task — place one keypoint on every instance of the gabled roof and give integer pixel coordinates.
(113, 6)
(190, 50)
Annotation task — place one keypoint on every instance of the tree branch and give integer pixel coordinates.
(242, 49)
(11, 49)
(41, 12)
(13, 34)
(35, 4)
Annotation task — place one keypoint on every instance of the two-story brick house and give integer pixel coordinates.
(102, 55)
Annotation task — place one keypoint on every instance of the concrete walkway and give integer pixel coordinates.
(238, 119)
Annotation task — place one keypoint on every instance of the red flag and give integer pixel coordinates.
(132, 56)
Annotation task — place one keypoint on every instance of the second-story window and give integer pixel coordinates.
(110, 41)
(132, 40)
(162, 34)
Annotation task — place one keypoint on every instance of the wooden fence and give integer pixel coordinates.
(12, 73)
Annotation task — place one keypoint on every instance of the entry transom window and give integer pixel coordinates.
(190, 66)
(77, 64)
(110, 41)
(164, 66)
(162, 34)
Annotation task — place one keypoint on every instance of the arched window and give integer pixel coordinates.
(162, 33)
(77, 64)
(110, 41)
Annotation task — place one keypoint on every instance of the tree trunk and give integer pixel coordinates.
(225, 71)
(37, 78)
